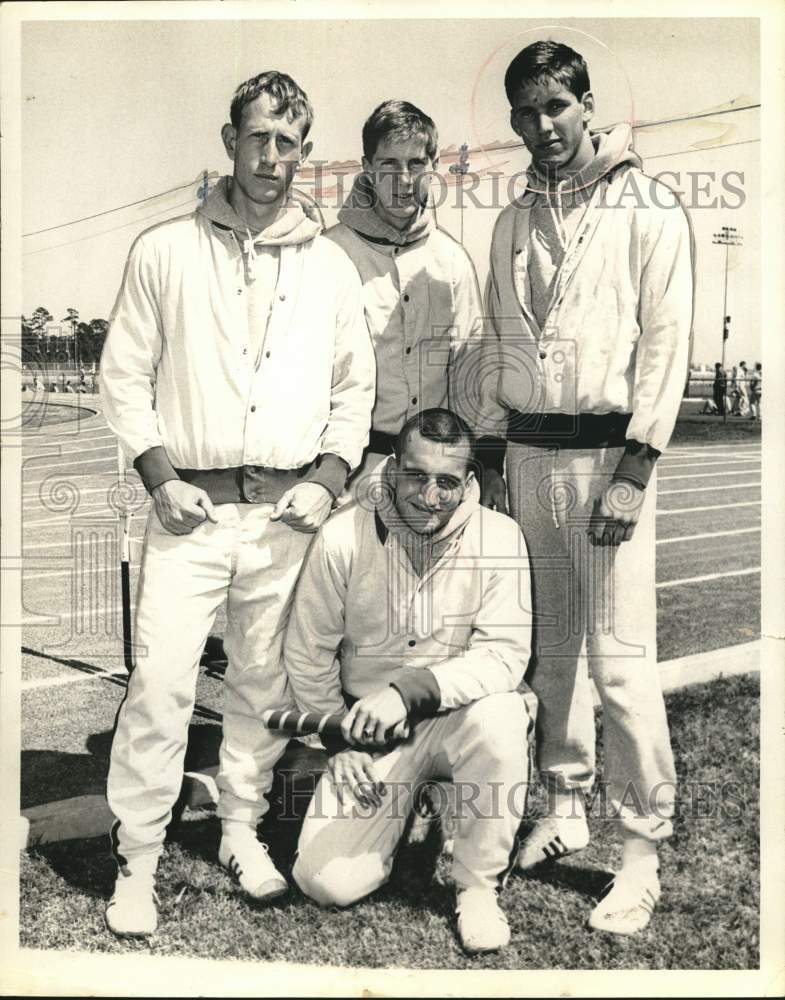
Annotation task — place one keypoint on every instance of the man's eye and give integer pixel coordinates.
(446, 484)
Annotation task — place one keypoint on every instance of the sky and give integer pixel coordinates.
(115, 112)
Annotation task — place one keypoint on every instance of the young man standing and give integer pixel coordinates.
(590, 293)
(238, 373)
(412, 608)
(422, 301)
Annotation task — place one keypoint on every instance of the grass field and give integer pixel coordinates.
(708, 916)
(73, 679)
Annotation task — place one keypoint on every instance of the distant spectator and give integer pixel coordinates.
(53, 386)
(709, 406)
(733, 388)
(69, 387)
(81, 375)
(38, 385)
(720, 388)
(756, 391)
(744, 399)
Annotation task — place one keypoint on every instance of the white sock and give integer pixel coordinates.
(639, 852)
(567, 804)
(234, 829)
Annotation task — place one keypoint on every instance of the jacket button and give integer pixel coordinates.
(267, 354)
(239, 291)
(406, 298)
(543, 355)
(282, 297)
(245, 350)
(414, 400)
(253, 409)
(408, 350)
(412, 642)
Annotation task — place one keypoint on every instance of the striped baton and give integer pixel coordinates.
(305, 723)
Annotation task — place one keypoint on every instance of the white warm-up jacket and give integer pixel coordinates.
(179, 368)
(615, 336)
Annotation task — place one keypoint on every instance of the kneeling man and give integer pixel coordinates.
(413, 607)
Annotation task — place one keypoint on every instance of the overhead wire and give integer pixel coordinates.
(507, 146)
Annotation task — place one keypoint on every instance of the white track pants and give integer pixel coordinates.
(596, 603)
(346, 851)
(183, 581)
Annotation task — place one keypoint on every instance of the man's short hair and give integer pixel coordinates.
(398, 120)
(440, 425)
(547, 59)
(289, 97)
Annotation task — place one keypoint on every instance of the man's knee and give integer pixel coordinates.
(338, 882)
(499, 721)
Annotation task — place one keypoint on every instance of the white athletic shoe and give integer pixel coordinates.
(628, 902)
(482, 924)
(131, 912)
(551, 839)
(249, 861)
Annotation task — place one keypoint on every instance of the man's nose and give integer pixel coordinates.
(544, 123)
(270, 152)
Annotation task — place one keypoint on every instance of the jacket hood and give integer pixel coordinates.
(611, 150)
(358, 214)
(295, 224)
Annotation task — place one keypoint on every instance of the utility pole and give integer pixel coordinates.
(728, 236)
(461, 169)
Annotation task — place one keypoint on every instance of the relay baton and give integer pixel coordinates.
(305, 723)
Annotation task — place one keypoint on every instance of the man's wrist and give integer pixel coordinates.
(331, 472)
(154, 468)
(636, 464)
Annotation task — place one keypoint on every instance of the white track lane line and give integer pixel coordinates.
(88, 489)
(708, 576)
(53, 467)
(36, 683)
(727, 445)
(709, 464)
(706, 534)
(715, 506)
(59, 545)
(709, 489)
(80, 451)
(708, 475)
(46, 441)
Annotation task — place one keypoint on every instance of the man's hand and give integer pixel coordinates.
(305, 507)
(616, 513)
(181, 507)
(371, 717)
(494, 491)
(353, 771)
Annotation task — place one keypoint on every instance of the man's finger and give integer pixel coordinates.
(206, 504)
(281, 506)
(347, 723)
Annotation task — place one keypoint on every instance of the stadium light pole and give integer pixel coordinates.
(461, 168)
(728, 236)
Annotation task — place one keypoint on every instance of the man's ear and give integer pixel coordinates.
(588, 107)
(305, 152)
(470, 479)
(229, 136)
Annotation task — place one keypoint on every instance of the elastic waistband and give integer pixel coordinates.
(245, 483)
(381, 443)
(569, 430)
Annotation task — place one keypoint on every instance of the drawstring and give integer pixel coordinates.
(248, 247)
(248, 252)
